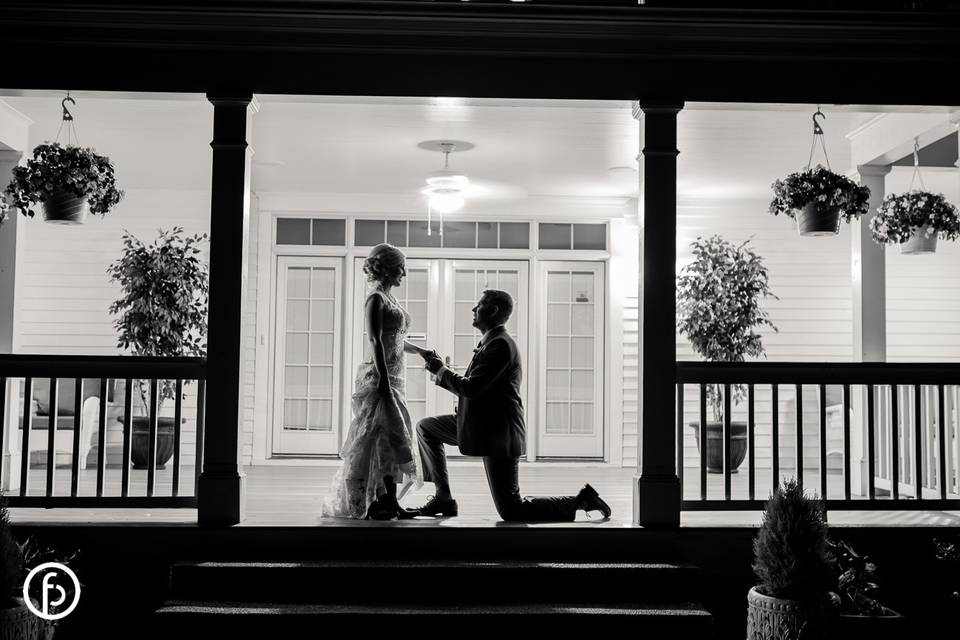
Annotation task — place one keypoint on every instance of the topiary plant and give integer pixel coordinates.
(792, 556)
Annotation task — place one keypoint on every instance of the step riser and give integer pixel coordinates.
(431, 585)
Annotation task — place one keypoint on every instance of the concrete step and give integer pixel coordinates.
(437, 582)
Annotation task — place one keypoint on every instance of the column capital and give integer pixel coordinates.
(873, 169)
(231, 97)
(641, 107)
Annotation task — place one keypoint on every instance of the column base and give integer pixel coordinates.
(222, 499)
(656, 501)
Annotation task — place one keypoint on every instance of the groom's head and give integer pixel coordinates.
(493, 309)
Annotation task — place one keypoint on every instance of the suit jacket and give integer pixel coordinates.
(490, 411)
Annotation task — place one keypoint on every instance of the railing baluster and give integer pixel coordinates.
(77, 423)
(3, 422)
(703, 441)
(201, 424)
(727, 458)
(846, 442)
(871, 446)
(895, 441)
(25, 439)
(152, 441)
(823, 441)
(918, 440)
(942, 442)
(751, 446)
(127, 426)
(177, 431)
(102, 437)
(52, 434)
(775, 433)
(800, 436)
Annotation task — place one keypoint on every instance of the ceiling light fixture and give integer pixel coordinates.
(445, 188)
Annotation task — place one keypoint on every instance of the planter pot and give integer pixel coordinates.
(738, 444)
(140, 442)
(919, 243)
(886, 627)
(778, 619)
(63, 207)
(815, 222)
(19, 623)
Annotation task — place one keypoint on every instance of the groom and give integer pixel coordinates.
(489, 423)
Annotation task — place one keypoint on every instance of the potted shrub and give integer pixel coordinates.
(67, 181)
(162, 312)
(818, 199)
(16, 561)
(794, 568)
(718, 310)
(860, 613)
(915, 220)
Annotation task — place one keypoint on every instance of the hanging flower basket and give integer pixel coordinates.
(819, 199)
(915, 220)
(67, 181)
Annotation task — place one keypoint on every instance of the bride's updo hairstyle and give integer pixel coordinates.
(383, 262)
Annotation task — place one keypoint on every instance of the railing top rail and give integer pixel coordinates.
(56, 366)
(883, 373)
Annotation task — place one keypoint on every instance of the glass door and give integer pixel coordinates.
(307, 390)
(571, 359)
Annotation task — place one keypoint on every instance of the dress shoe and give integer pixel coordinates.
(446, 507)
(589, 500)
(385, 509)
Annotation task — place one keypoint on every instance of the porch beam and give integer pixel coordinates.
(221, 487)
(657, 487)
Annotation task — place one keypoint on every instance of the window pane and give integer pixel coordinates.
(297, 315)
(590, 236)
(419, 237)
(321, 382)
(581, 385)
(416, 284)
(295, 414)
(558, 385)
(321, 348)
(321, 415)
(581, 285)
(463, 322)
(367, 233)
(296, 348)
(583, 352)
(293, 231)
(514, 235)
(329, 232)
(298, 282)
(294, 382)
(558, 286)
(322, 283)
(459, 234)
(416, 379)
(465, 286)
(487, 235)
(397, 232)
(508, 281)
(558, 352)
(322, 315)
(581, 418)
(583, 319)
(417, 410)
(418, 316)
(554, 236)
(558, 417)
(558, 319)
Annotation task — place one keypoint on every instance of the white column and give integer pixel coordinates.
(10, 230)
(868, 276)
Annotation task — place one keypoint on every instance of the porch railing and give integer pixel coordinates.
(112, 378)
(888, 440)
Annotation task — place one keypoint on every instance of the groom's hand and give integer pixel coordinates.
(434, 363)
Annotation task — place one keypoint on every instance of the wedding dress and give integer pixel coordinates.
(380, 441)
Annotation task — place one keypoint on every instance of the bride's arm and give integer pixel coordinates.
(409, 347)
(374, 321)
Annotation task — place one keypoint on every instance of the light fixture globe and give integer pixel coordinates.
(445, 201)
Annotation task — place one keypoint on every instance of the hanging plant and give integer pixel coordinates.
(818, 198)
(57, 174)
(915, 220)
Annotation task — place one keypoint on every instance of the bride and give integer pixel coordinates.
(379, 449)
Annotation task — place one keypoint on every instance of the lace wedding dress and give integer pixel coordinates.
(380, 441)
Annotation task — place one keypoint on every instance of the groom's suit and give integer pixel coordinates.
(489, 423)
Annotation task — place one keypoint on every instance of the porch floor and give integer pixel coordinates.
(290, 495)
